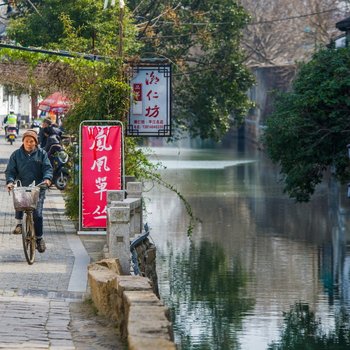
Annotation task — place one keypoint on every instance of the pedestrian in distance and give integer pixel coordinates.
(19, 119)
(42, 137)
(43, 134)
(29, 164)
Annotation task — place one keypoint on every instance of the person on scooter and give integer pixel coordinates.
(10, 120)
(29, 164)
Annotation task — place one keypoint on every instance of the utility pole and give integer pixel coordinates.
(121, 16)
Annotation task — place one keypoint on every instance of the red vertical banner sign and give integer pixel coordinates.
(101, 170)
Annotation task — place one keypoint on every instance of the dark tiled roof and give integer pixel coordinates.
(343, 25)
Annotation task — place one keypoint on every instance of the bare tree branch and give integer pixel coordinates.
(303, 26)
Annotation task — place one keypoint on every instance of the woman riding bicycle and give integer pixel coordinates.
(30, 164)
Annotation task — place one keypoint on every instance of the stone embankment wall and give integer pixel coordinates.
(146, 261)
(124, 285)
(130, 301)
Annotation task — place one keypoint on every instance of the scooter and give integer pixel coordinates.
(36, 126)
(60, 171)
(11, 133)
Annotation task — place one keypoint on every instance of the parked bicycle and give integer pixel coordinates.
(25, 198)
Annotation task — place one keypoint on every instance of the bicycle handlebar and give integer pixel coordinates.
(42, 185)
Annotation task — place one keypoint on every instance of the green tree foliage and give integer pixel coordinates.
(202, 39)
(39, 24)
(78, 25)
(309, 130)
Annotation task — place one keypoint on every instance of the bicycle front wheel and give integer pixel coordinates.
(28, 239)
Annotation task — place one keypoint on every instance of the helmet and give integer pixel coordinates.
(12, 111)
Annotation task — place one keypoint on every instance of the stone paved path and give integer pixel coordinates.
(46, 305)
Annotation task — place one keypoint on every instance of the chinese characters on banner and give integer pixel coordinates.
(101, 171)
(150, 107)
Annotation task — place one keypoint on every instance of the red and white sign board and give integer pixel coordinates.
(101, 170)
(150, 107)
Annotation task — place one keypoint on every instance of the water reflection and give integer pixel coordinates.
(254, 254)
(302, 330)
(208, 286)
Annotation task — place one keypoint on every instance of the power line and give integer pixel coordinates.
(166, 36)
(293, 17)
(255, 23)
(222, 23)
(90, 57)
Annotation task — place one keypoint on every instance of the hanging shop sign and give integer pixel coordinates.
(150, 107)
(101, 164)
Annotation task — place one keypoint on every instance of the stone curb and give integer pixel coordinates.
(128, 300)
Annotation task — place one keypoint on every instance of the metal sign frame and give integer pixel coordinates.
(150, 100)
(102, 123)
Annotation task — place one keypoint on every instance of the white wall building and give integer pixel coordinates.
(19, 104)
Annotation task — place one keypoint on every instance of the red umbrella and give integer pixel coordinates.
(56, 102)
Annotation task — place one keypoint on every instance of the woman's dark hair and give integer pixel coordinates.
(48, 130)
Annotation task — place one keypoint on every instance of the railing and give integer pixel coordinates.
(124, 221)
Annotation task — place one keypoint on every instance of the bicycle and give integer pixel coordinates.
(25, 198)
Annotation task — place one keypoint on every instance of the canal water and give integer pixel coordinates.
(258, 271)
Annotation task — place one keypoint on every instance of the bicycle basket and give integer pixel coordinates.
(25, 198)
